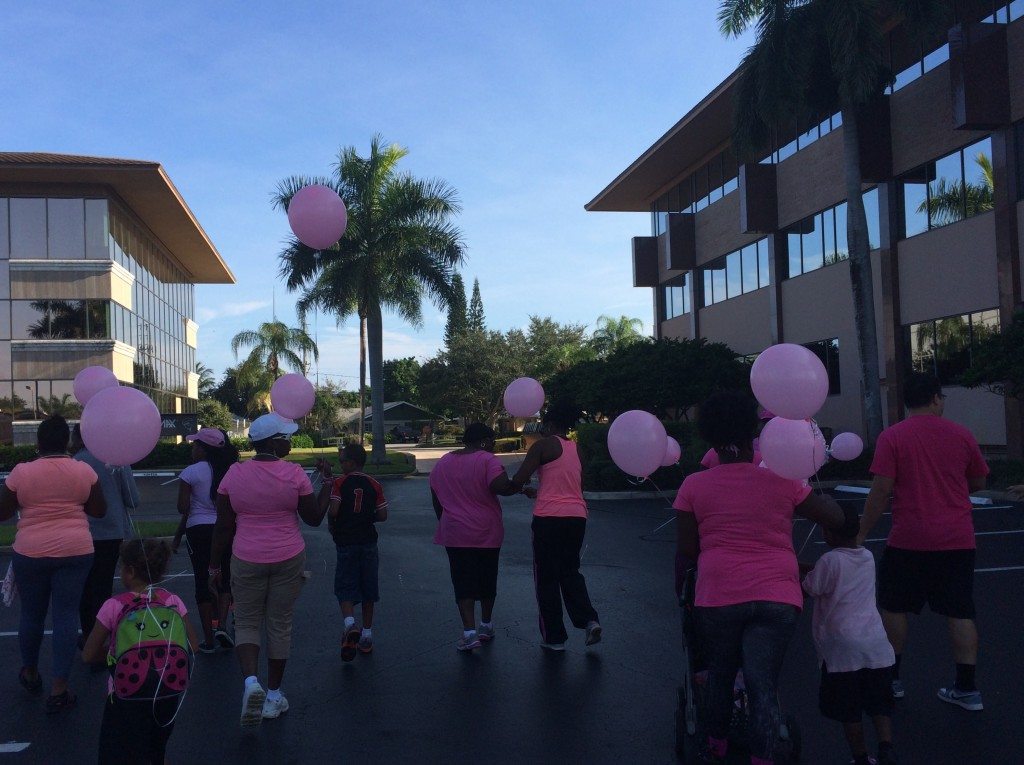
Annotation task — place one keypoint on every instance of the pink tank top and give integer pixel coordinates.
(561, 486)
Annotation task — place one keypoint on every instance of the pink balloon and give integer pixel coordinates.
(637, 442)
(672, 452)
(91, 381)
(120, 425)
(524, 397)
(292, 396)
(790, 381)
(792, 448)
(317, 216)
(846, 447)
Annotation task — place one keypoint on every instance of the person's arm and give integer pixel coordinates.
(438, 509)
(223, 536)
(876, 504)
(184, 498)
(687, 537)
(309, 510)
(380, 513)
(819, 579)
(179, 533)
(503, 487)
(536, 456)
(8, 503)
(95, 505)
(95, 649)
(821, 509)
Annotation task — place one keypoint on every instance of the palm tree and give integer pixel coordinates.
(273, 345)
(63, 405)
(612, 334)
(400, 246)
(207, 382)
(811, 57)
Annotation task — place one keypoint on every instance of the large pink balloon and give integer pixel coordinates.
(91, 381)
(120, 425)
(672, 452)
(636, 442)
(317, 216)
(790, 381)
(846, 447)
(292, 396)
(524, 397)
(792, 448)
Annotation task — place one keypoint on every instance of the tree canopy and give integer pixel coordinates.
(998, 361)
(401, 379)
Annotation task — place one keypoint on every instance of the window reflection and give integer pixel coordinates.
(828, 352)
(944, 347)
(952, 188)
(676, 297)
(738, 272)
(821, 239)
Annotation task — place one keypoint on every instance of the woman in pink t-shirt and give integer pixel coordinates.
(259, 504)
(53, 552)
(464, 487)
(736, 522)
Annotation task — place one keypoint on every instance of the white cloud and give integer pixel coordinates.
(227, 310)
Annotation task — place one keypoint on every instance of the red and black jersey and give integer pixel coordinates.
(361, 496)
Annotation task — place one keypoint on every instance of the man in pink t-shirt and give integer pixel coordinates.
(930, 466)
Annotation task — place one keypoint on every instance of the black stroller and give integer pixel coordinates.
(691, 727)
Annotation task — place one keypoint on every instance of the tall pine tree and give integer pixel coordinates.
(475, 318)
(457, 322)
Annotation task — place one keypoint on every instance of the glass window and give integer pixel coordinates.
(763, 274)
(951, 338)
(749, 256)
(718, 283)
(715, 178)
(811, 244)
(700, 188)
(984, 324)
(979, 185)
(946, 192)
(709, 292)
(795, 265)
(828, 352)
(907, 76)
(828, 231)
(1016, 10)
(686, 196)
(837, 120)
(65, 227)
(935, 58)
(842, 248)
(870, 198)
(98, 318)
(734, 274)
(915, 208)
(28, 228)
(806, 139)
(678, 299)
(787, 151)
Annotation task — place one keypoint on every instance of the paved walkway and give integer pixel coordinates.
(416, 699)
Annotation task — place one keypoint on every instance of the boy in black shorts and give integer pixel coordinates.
(356, 503)
(856, 656)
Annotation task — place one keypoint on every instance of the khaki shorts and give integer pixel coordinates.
(265, 593)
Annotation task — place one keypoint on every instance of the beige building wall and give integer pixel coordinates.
(743, 323)
(718, 229)
(822, 161)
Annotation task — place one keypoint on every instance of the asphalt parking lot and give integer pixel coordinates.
(416, 698)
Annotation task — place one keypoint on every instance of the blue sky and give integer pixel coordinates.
(527, 109)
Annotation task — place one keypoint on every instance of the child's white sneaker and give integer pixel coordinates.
(274, 708)
(253, 698)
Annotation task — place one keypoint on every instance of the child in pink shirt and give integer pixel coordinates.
(856, 657)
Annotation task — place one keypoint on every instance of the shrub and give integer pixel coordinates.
(601, 474)
(242, 443)
(1005, 473)
(167, 454)
(12, 455)
(302, 441)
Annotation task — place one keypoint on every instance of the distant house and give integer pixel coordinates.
(399, 414)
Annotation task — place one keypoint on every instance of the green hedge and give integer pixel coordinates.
(302, 441)
(12, 455)
(601, 474)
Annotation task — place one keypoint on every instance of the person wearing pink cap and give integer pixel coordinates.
(212, 455)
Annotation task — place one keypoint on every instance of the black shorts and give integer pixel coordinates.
(944, 579)
(847, 696)
(136, 732)
(474, 572)
(355, 575)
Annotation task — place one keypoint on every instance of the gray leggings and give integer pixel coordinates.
(752, 636)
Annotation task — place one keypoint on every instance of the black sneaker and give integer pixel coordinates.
(205, 647)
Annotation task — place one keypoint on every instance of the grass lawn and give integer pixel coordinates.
(397, 463)
(146, 529)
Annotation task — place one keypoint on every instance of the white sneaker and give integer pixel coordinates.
(274, 708)
(553, 646)
(253, 698)
(593, 633)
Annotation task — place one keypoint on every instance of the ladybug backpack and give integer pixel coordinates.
(149, 656)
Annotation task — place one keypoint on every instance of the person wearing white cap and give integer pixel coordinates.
(212, 456)
(259, 503)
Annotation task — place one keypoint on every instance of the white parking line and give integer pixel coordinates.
(998, 568)
(15, 633)
(14, 746)
(976, 533)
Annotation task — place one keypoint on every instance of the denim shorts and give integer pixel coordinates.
(355, 577)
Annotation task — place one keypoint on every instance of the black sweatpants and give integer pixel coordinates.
(99, 586)
(557, 577)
